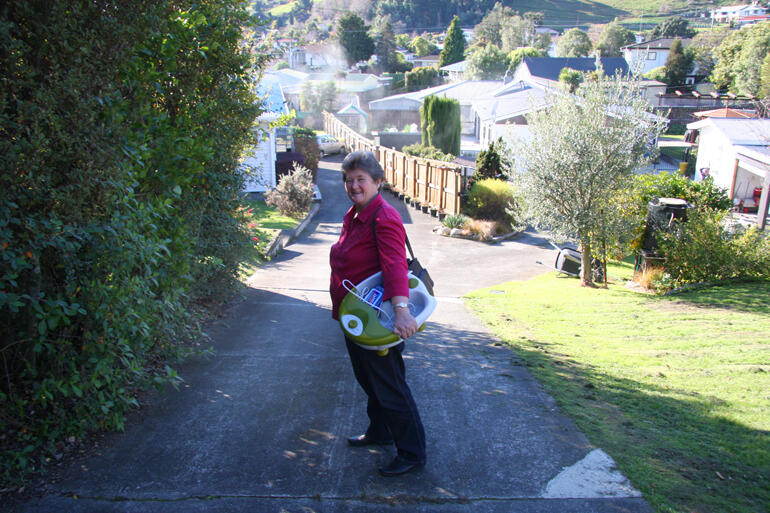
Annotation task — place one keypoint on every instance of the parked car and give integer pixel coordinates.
(328, 145)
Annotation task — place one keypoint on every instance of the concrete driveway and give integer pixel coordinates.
(261, 426)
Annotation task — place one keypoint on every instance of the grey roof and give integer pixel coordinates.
(662, 43)
(550, 67)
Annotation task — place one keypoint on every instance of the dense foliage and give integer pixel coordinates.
(440, 121)
(633, 202)
(613, 38)
(305, 142)
(493, 199)
(703, 248)
(427, 152)
(487, 63)
(675, 26)
(573, 43)
(739, 59)
(420, 78)
(122, 130)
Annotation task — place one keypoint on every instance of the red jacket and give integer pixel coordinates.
(355, 255)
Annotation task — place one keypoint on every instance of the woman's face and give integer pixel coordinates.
(361, 188)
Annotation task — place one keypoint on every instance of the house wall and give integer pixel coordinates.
(382, 119)
(715, 153)
(261, 165)
(655, 58)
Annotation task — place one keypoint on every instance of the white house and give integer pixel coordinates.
(259, 163)
(648, 55)
(735, 13)
(736, 153)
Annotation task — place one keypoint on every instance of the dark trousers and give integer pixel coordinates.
(391, 408)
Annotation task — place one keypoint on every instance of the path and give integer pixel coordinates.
(261, 426)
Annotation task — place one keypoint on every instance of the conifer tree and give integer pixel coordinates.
(677, 65)
(441, 125)
(454, 45)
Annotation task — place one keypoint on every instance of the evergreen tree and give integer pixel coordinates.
(441, 126)
(677, 65)
(353, 35)
(454, 45)
(764, 78)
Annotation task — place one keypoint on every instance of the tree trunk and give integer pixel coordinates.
(586, 270)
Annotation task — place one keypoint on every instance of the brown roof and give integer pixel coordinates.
(725, 113)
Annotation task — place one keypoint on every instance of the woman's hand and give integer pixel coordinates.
(404, 325)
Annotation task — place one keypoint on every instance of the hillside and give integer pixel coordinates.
(427, 15)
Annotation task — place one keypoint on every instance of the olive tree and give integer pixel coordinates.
(582, 149)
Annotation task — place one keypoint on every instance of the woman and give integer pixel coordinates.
(393, 415)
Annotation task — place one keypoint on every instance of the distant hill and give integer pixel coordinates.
(433, 15)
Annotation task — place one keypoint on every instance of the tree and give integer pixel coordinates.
(353, 35)
(516, 56)
(676, 26)
(420, 78)
(677, 66)
(489, 30)
(702, 47)
(739, 59)
(441, 126)
(385, 45)
(422, 46)
(516, 32)
(573, 43)
(764, 78)
(487, 63)
(454, 45)
(613, 38)
(570, 79)
(582, 149)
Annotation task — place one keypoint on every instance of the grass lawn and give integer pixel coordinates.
(264, 223)
(675, 388)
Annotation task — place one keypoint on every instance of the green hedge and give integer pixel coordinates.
(122, 128)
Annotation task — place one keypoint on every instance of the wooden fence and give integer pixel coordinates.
(432, 184)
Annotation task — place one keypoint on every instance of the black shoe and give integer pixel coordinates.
(399, 466)
(362, 440)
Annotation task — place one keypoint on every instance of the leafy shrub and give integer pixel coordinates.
(493, 200)
(306, 143)
(455, 221)
(118, 204)
(703, 248)
(427, 152)
(633, 202)
(420, 78)
(294, 193)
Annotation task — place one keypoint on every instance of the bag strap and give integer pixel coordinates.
(374, 232)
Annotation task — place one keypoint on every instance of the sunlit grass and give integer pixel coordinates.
(675, 388)
(264, 223)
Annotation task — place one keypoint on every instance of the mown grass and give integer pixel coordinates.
(675, 388)
(264, 223)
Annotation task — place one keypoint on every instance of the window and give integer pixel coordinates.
(651, 56)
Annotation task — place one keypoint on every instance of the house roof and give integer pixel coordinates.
(464, 92)
(351, 109)
(457, 66)
(550, 67)
(509, 101)
(725, 113)
(269, 87)
(662, 43)
(739, 131)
